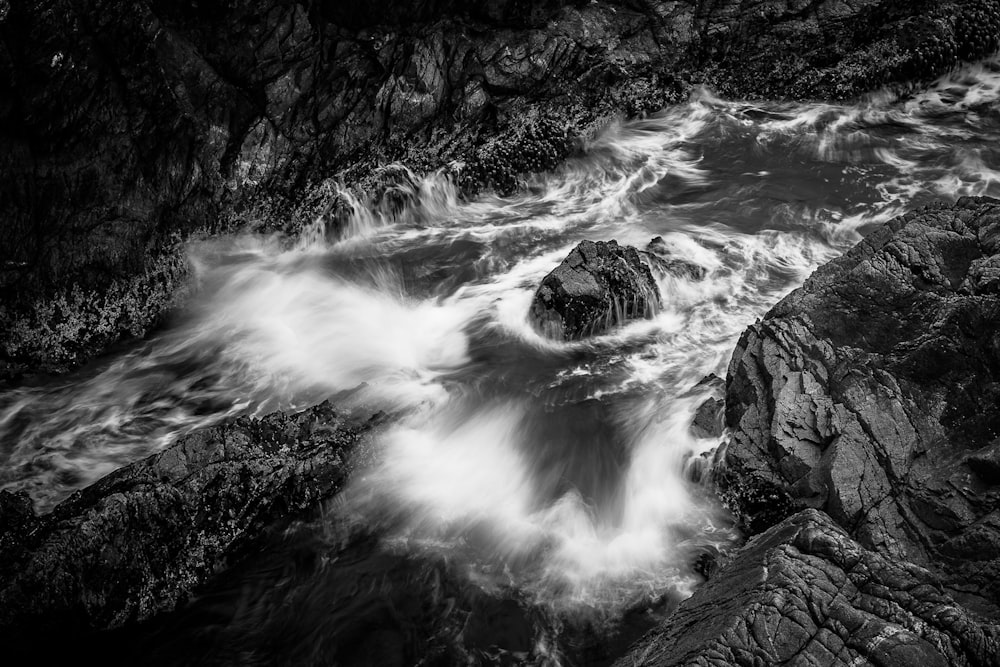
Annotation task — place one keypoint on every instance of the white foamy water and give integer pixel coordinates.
(556, 468)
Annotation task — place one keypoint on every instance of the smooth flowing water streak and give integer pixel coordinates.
(556, 468)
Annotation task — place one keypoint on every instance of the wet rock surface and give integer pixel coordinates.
(872, 393)
(804, 593)
(709, 417)
(598, 286)
(138, 542)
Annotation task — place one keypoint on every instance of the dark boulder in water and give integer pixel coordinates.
(598, 286)
(804, 593)
(139, 541)
(873, 393)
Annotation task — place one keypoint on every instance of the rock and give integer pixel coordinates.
(140, 540)
(985, 463)
(707, 562)
(804, 593)
(873, 393)
(709, 418)
(598, 286)
(663, 263)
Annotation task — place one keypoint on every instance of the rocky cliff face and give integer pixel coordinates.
(130, 124)
(863, 456)
(872, 393)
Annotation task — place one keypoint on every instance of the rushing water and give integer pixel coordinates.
(551, 471)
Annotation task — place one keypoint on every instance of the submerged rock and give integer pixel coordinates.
(804, 593)
(598, 286)
(140, 540)
(873, 393)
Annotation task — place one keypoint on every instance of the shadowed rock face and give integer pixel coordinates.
(598, 286)
(873, 393)
(804, 593)
(140, 540)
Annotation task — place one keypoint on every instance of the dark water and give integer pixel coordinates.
(532, 504)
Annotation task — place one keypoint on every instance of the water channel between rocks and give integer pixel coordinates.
(548, 476)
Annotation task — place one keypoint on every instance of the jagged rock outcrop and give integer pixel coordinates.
(873, 393)
(804, 593)
(140, 540)
(130, 124)
(598, 286)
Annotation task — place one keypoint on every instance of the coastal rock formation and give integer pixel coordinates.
(132, 124)
(598, 286)
(873, 393)
(804, 593)
(140, 540)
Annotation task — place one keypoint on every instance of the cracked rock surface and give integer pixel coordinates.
(140, 540)
(873, 393)
(804, 593)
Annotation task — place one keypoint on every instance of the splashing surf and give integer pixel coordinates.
(555, 467)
